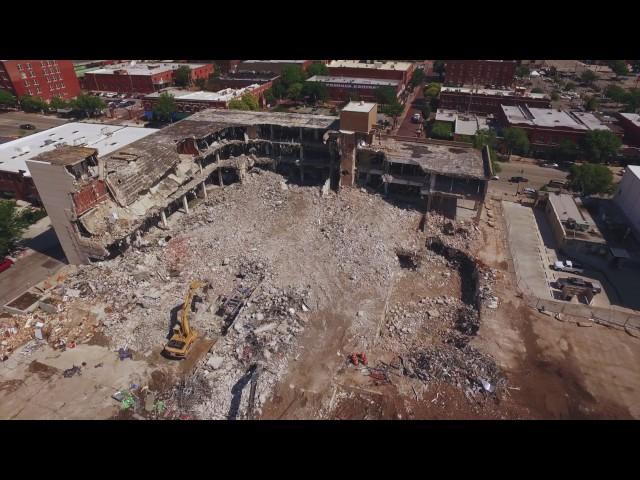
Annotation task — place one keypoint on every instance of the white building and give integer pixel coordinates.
(627, 197)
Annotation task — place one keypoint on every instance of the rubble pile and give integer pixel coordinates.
(459, 234)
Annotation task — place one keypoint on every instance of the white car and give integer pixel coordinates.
(495, 177)
(530, 190)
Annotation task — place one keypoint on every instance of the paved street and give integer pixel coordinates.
(537, 176)
(407, 127)
(10, 122)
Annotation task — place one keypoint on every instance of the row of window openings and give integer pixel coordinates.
(54, 87)
(43, 63)
(50, 79)
(47, 74)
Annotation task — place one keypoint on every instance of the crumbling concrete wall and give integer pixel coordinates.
(55, 186)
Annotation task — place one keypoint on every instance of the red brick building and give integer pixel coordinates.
(373, 69)
(40, 78)
(140, 77)
(275, 66)
(480, 72)
(347, 88)
(630, 123)
(487, 101)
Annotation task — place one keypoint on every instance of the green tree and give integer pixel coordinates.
(537, 90)
(291, 74)
(516, 140)
(484, 137)
(442, 130)
(566, 151)
(588, 76)
(632, 100)
(200, 83)
(591, 178)
(555, 96)
(246, 102)
(438, 67)
(418, 77)
(294, 90)
(7, 99)
(182, 76)
(619, 67)
(165, 107)
(432, 90)
(386, 95)
(616, 93)
(591, 104)
(569, 86)
(316, 91)
(33, 104)
(317, 68)
(270, 97)
(12, 224)
(600, 145)
(58, 103)
(88, 104)
(278, 89)
(522, 71)
(426, 111)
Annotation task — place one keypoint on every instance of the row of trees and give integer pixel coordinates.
(14, 222)
(86, 103)
(292, 84)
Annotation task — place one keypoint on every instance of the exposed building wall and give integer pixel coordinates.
(17, 186)
(270, 67)
(403, 75)
(42, 78)
(627, 197)
(463, 101)
(631, 131)
(480, 72)
(358, 121)
(55, 185)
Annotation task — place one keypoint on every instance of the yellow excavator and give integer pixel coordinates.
(183, 335)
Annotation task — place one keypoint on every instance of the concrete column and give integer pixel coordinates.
(217, 157)
(204, 190)
(220, 182)
(185, 204)
(200, 165)
(301, 174)
(386, 189)
(163, 217)
(301, 154)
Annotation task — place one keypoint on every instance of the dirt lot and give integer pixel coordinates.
(334, 275)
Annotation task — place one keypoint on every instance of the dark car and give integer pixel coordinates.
(27, 126)
(5, 263)
(518, 180)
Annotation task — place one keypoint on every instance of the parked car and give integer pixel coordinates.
(495, 177)
(416, 118)
(518, 180)
(557, 183)
(27, 126)
(567, 266)
(5, 263)
(531, 191)
(580, 282)
(550, 165)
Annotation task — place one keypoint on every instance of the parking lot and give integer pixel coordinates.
(10, 123)
(534, 252)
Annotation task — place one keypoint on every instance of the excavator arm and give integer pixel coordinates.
(186, 308)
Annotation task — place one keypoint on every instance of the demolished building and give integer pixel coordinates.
(101, 205)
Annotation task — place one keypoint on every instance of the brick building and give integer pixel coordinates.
(345, 88)
(275, 66)
(630, 123)
(140, 77)
(243, 79)
(190, 102)
(480, 72)
(15, 177)
(547, 127)
(488, 101)
(388, 70)
(41, 78)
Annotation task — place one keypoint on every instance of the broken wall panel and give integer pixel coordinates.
(89, 196)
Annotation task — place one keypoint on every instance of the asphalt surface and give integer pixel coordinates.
(407, 127)
(537, 176)
(10, 122)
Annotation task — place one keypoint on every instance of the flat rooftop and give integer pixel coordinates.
(274, 61)
(446, 160)
(566, 208)
(105, 138)
(552, 118)
(239, 117)
(493, 92)
(365, 107)
(378, 82)
(635, 170)
(202, 96)
(443, 115)
(376, 65)
(469, 124)
(144, 68)
(632, 117)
